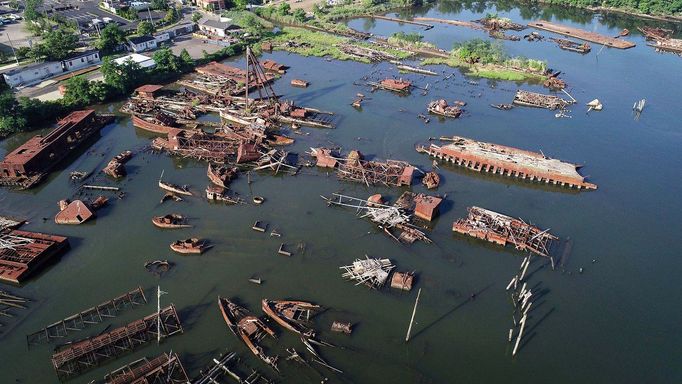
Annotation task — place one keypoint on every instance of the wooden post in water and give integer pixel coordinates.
(414, 311)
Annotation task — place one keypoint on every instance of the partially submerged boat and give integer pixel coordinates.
(170, 221)
(174, 188)
(431, 180)
(221, 175)
(290, 314)
(219, 194)
(250, 329)
(441, 108)
(192, 246)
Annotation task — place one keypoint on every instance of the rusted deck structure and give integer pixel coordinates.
(27, 165)
(502, 230)
(219, 70)
(91, 316)
(163, 369)
(581, 34)
(354, 168)
(198, 145)
(480, 156)
(23, 252)
(87, 354)
(538, 100)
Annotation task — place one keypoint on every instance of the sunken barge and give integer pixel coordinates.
(22, 253)
(502, 230)
(27, 165)
(480, 156)
(538, 100)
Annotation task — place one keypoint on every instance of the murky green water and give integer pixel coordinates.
(615, 322)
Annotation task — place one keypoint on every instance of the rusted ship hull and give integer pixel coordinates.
(275, 309)
(246, 326)
(509, 161)
(150, 126)
(174, 188)
(171, 221)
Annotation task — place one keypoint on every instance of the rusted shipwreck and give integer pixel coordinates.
(249, 328)
(165, 368)
(480, 156)
(355, 168)
(538, 100)
(394, 85)
(221, 175)
(171, 221)
(22, 253)
(581, 34)
(78, 211)
(573, 46)
(393, 220)
(27, 165)
(442, 108)
(190, 246)
(73, 359)
(291, 314)
(116, 167)
(502, 230)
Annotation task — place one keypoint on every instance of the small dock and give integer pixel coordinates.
(458, 23)
(427, 26)
(581, 34)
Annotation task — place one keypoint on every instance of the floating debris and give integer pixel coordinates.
(165, 368)
(371, 272)
(538, 100)
(569, 45)
(299, 83)
(346, 328)
(595, 105)
(214, 193)
(431, 180)
(389, 218)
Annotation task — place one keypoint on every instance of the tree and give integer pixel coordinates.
(110, 37)
(299, 15)
(145, 28)
(186, 59)
(196, 17)
(31, 9)
(22, 52)
(159, 4)
(77, 92)
(122, 78)
(171, 16)
(56, 45)
(284, 9)
(166, 61)
(240, 4)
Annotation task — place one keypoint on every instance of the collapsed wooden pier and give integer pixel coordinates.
(89, 353)
(501, 229)
(499, 159)
(91, 316)
(165, 368)
(581, 34)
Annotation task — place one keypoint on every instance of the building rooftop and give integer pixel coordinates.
(142, 60)
(22, 68)
(149, 88)
(76, 55)
(140, 39)
(213, 23)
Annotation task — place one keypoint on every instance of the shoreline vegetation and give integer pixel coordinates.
(665, 10)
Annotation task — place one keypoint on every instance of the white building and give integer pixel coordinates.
(81, 60)
(142, 43)
(161, 37)
(139, 5)
(220, 28)
(142, 60)
(31, 73)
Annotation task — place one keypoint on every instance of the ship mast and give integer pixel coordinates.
(248, 54)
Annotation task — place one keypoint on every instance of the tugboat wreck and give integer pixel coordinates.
(292, 315)
(480, 156)
(27, 165)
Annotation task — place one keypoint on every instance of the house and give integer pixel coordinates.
(142, 60)
(161, 37)
(81, 59)
(211, 4)
(181, 29)
(220, 28)
(142, 43)
(31, 73)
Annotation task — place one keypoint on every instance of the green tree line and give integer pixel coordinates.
(658, 7)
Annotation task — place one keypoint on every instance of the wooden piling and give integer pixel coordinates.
(414, 311)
